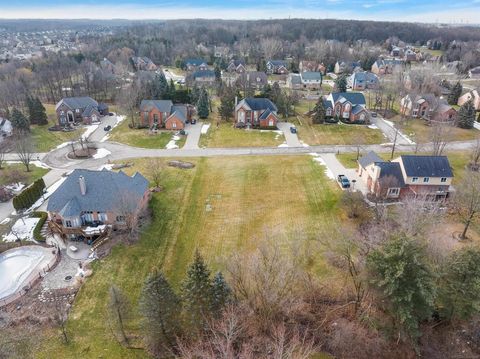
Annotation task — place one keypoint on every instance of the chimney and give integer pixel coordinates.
(83, 185)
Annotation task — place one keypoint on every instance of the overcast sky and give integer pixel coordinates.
(451, 11)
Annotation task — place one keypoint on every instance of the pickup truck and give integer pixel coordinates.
(343, 181)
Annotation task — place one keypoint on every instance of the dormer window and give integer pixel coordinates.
(415, 179)
(443, 179)
(426, 179)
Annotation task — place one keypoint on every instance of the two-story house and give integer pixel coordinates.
(428, 107)
(143, 63)
(89, 201)
(195, 64)
(278, 67)
(349, 107)
(305, 80)
(6, 128)
(311, 66)
(254, 112)
(345, 66)
(473, 95)
(74, 110)
(428, 177)
(202, 77)
(237, 66)
(386, 66)
(363, 80)
(156, 114)
(255, 80)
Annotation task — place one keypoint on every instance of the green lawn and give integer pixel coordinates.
(418, 131)
(228, 136)
(141, 137)
(222, 206)
(46, 140)
(30, 177)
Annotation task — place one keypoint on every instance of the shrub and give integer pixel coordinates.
(38, 228)
(29, 195)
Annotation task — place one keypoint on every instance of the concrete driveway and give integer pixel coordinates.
(291, 138)
(193, 136)
(337, 168)
(389, 131)
(100, 133)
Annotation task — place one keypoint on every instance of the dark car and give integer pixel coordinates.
(293, 129)
(107, 128)
(373, 114)
(343, 181)
(111, 114)
(193, 121)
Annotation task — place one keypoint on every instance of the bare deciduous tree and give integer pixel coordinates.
(467, 199)
(118, 313)
(475, 156)
(439, 138)
(25, 150)
(155, 169)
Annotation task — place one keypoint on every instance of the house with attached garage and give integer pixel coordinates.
(362, 80)
(157, 114)
(305, 80)
(195, 64)
(143, 63)
(428, 177)
(279, 67)
(256, 113)
(348, 107)
(252, 80)
(74, 110)
(202, 77)
(428, 107)
(311, 66)
(386, 66)
(344, 66)
(237, 66)
(88, 202)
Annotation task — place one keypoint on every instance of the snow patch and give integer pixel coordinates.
(39, 164)
(328, 172)
(47, 194)
(373, 127)
(172, 145)
(105, 138)
(108, 166)
(304, 144)
(283, 145)
(118, 121)
(90, 129)
(5, 221)
(205, 129)
(65, 144)
(15, 187)
(101, 153)
(22, 229)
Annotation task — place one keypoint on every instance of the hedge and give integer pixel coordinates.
(38, 228)
(29, 195)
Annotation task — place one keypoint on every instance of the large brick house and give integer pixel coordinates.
(278, 67)
(157, 114)
(143, 63)
(428, 107)
(428, 177)
(471, 95)
(311, 66)
(88, 201)
(195, 64)
(256, 112)
(349, 107)
(74, 110)
(237, 66)
(252, 80)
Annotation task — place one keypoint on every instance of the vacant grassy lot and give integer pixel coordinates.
(141, 137)
(7, 173)
(228, 136)
(418, 131)
(46, 140)
(458, 160)
(222, 206)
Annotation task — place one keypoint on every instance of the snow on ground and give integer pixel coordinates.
(373, 127)
(390, 123)
(173, 143)
(65, 144)
(105, 138)
(15, 187)
(476, 125)
(119, 121)
(47, 194)
(304, 144)
(317, 158)
(101, 153)
(90, 129)
(204, 129)
(22, 229)
(408, 139)
(5, 221)
(39, 164)
(108, 166)
(283, 145)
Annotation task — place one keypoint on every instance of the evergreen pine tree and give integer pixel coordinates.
(203, 104)
(197, 292)
(319, 111)
(30, 102)
(160, 308)
(40, 112)
(455, 93)
(267, 91)
(227, 103)
(466, 115)
(19, 121)
(218, 74)
(221, 293)
(341, 83)
(163, 87)
(195, 94)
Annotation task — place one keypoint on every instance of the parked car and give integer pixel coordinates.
(193, 121)
(293, 129)
(183, 132)
(373, 114)
(111, 114)
(107, 128)
(343, 181)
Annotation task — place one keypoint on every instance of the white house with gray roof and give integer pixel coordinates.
(305, 80)
(90, 198)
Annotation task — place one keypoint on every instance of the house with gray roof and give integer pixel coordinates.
(255, 112)
(348, 107)
(386, 66)
(305, 80)
(202, 77)
(157, 114)
(75, 110)
(426, 177)
(88, 199)
(279, 67)
(255, 80)
(6, 129)
(195, 64)
(363, 80)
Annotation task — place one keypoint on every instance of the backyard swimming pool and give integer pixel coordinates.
(19, 266)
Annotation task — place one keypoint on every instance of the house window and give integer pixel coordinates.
(426, 179)
(102, 217)
(155, 118)
(415, 179)
(174, 125)
(443, 179)
(329, 112)
(393, 192)
(68, 224)
(77, 110)
(120, 219)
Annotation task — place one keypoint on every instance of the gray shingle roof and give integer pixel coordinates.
(105, 191)
(161, 105)
(265, 114)
(203, 73)
(310, 75)
(426, 166)
(369, 158)
(391, 169)
(77, 102)
(355, 98)
(181, 112)
(257, 104)
(278, 62)
(194, 62)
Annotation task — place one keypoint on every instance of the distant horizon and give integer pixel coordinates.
(429, 11)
